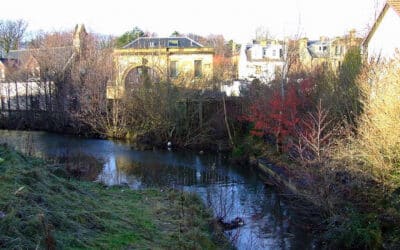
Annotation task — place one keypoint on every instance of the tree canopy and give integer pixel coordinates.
(348, 91)
(129, 36)
(11, 34)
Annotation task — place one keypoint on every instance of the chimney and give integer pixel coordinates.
(79, 38)
(302, 43)
(352, 34)
(233, 48)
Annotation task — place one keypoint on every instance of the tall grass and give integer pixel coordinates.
(379, 130)
(366, 166)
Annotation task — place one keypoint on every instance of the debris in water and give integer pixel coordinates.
(19, 190)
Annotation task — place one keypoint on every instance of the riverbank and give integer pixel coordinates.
(41, 206)
(351, 218)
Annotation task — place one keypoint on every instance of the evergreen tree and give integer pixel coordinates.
(129, 36)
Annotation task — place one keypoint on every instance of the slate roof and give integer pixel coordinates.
(61, 56)
(162, 42)
(20, 55)
(316, 53)
(9, 62)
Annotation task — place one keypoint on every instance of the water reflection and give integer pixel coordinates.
(228, 191)
(165, 172)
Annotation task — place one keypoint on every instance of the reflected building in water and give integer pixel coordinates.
(122, 170)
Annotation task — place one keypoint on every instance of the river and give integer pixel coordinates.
(270, 221)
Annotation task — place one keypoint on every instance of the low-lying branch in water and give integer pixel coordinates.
(233, 224)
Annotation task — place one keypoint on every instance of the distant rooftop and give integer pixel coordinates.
(395, 5)
(9, 62)
(163, 42)
(24, 54)
(19, 55)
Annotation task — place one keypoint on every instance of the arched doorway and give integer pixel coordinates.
(141, 76)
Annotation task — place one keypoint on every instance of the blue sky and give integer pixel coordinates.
(236, 20)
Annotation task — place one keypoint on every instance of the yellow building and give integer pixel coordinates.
(179, 60)
(325, 51)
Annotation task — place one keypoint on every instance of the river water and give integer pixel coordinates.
(270, 222)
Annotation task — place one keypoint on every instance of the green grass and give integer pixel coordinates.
(42, 209)
(357, 231)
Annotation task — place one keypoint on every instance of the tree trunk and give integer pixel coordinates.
(200, 108)
(46, 98)
(26, 95)
(16, 94)
(50, 93)
(226, 122)
(9, 99)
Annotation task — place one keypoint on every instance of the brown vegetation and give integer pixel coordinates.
(344, 155)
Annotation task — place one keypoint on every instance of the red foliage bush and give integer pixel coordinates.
(280, 116)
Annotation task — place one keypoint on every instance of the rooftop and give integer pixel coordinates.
(9, 62)
(395, 5)
(163, 42)
(20, 55)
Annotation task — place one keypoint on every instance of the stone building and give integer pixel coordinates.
(328, 52)
(179, 60)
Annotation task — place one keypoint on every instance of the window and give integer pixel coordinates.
(197, 68)
(338, 50)
(172, 69)
(258, 69)
(173, 43)
(152, 45)
(264, 50)
(274, 52)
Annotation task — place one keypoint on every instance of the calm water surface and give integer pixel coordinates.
(229, 191)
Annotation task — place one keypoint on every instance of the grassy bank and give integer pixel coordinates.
(41, 207)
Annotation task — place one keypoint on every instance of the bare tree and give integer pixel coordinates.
(11, 34)
(54, 54)
(91, 74)
(262, 33)
(315, 137)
